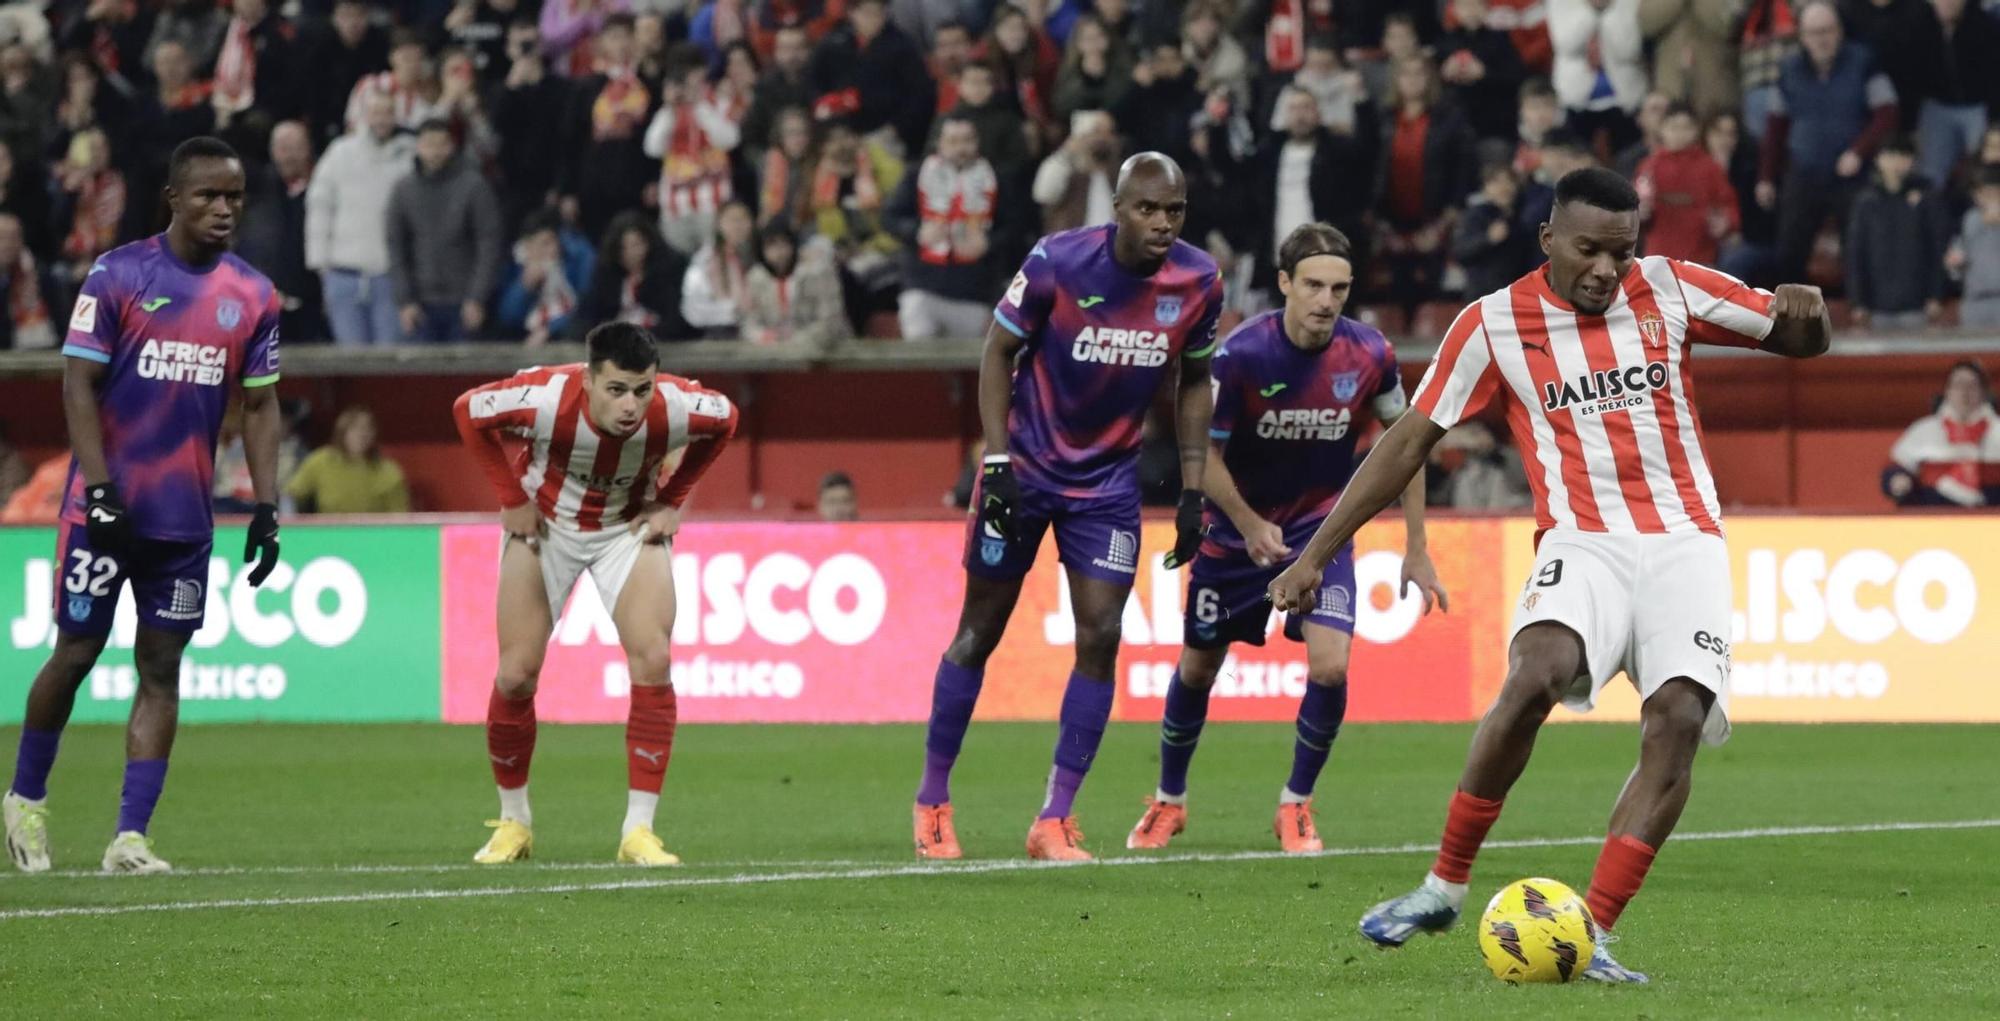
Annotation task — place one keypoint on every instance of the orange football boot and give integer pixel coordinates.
(1056, 840)
(935, 836)
(1161, 823)
(1295, 830)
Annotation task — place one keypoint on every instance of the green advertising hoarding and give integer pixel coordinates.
(345, 629)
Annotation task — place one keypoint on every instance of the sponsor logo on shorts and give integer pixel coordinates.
(1123, 554)
(1335, 601)
(186, 604)
(79, 608)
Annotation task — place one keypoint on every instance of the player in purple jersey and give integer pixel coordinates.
(163, 332)
(1097, 321)
(1295, 389)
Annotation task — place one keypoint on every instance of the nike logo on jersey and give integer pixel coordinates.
(155, 304)
(649, 755)
(1271, 391)
(1090, 302)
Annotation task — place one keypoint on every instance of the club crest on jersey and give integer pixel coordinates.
(1652, 329)
(1346, 385)
(228, 313)
(1605, 390)
(1167, 310)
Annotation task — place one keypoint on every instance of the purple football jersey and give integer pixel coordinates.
(174, 340)
(1100, 342)
(1288, 419)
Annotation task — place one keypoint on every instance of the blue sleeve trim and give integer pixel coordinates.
(1218, 434)
(89, 354)
(1011, 328)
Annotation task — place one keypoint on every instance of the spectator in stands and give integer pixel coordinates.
(1427, 163)
(837, 498)
(782, 86)
(1694, 51)
(527, 103)
(273, 235)
(347, 209)
(28, 293)
(349, 475)
(1339, 90)
(692, 136)
(767, 17)
(1310, 174)
(116, 34)
(410, 83)
(1685, 200)
(1832, 109)
(24, 195)
(14, 470)
(785, 179)
(196, 25)
(852, 182)
(1218, 60)
(87, 102)
(444, 241)
(712, 290)
(1277, 30)
(1904, 37)
(1400, 41)
(1482, 71)
(1226, 222)
(1652, 110)
(1153, 114)
(1975, 255)
(550, 267)
(944, 215)
(1896, 239)
(637, 279)
(1073, 185)
(951, 51)
(649, 51)
(570, 29)
(89, 206)
(1959, 80)
(1951, 457)
(177, 110)
(1095, 73)
(605, 169)
(1489, 475)
(1486, 242)
(793, 299)
(27, 92)
(1002, 135)
(482, 27)
(1562, 151)
(1024, 60)
(348, 51)
(1600, 70)
(257, 68)
(462, 106)
(1538, 114)
(869, 73)
(718, 25)
(1748, 255)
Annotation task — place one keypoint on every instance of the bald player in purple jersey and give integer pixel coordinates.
(1094, 325)
(164, 331)
(1295, 391)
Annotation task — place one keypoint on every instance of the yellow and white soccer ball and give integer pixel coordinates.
(1537, 930)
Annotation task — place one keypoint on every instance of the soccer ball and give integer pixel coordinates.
(1536, 930)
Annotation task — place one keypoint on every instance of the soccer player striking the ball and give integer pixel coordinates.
(1295, 389)
(1094, 324)
(1589, 355)
(579, 495)
(163, 331)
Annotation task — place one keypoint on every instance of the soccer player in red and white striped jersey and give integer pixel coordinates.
(1589, 358)
(584, 491)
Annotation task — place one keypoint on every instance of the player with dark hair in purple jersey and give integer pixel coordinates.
(1295, 390)
(1097, 321)
(164, 332)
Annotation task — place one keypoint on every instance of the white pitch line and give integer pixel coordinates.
(937, 869)
(437, 869)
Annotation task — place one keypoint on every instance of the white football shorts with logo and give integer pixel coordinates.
(1655, 606)
(608, 554)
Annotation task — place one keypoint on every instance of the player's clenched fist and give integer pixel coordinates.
(657, 524)
(999, 496)
(1797, 301)
(1188, 530)
(1292, 590)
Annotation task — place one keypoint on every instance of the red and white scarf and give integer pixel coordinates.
(959, 199)
(557, 297)
(236, 68)
(25, 305)
(694, 172)
(630, 310)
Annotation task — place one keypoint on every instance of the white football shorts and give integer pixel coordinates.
(608, 555)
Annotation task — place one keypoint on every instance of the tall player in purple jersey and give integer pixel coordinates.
(1295, 389)
(1097, 321)
(164, 331)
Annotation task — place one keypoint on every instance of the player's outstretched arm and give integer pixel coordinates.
(1800, 325)
(1396, 458)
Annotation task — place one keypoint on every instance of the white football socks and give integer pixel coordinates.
(1288, 797)
(1453, 892)
(1169, 799)
(639, 808)
(514, 805)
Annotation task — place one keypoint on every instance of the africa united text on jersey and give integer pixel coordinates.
(174, 340)
(578, 476)
(1288, 419)
(1601, 407)
(1099, 342)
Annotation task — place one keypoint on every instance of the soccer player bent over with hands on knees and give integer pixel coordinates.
(1295, 388)
(164, 332)
(581, 495)
(1589, 358)
(1096, 322)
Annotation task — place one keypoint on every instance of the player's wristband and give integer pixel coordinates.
(993, 459)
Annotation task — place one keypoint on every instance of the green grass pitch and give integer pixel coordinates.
(325, 873)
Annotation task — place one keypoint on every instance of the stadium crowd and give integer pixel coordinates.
(803, 171)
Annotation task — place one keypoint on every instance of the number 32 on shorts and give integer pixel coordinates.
(89, 575)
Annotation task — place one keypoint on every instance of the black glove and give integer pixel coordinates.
(261, 545)
(999, 495)
(1188, 530)
(106, 520)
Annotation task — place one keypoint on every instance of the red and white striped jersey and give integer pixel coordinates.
(1601, 407)
(579, 476)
